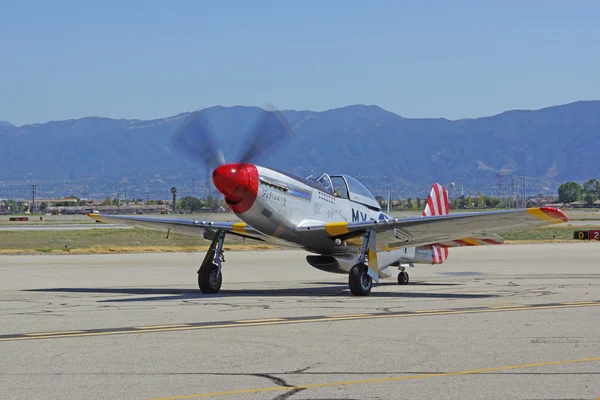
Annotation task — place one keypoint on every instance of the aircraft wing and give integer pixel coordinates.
(409, 232)
(473, 241)
(237, 232)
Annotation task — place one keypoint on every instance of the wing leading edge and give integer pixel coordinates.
(430, 230)
(237, 232)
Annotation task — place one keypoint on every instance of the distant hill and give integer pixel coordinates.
(550, 145)
(6, 124)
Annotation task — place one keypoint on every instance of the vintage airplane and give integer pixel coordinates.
(334, 217)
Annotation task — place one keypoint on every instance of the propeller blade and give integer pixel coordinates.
(196, 138)
(270, 131)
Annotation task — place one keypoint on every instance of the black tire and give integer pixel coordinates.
(403, 278)
(208, 281)
(359, 281)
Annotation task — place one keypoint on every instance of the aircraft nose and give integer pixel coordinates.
(238, 183)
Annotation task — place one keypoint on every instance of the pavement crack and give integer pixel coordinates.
(298, 371)
(289, 394)
(282, 382)
(274, 379)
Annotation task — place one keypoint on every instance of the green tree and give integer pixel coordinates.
(591, 198)
(469, 202)
(591, 191)
(212, 202)
(191, 203)
(569, 192)
(480, 200)
(592, 186)
(492, 202)
(12, 206)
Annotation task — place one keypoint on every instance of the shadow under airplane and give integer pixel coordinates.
(328, 289)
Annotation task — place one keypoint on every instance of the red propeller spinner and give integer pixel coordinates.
(239, 185)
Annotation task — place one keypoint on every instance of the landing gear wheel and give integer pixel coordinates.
(209, 279)
(403, 278)
(359, 281)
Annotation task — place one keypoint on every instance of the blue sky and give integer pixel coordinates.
(150, 59)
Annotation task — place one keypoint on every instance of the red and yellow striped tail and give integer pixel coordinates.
(439, 254)
(437, 203)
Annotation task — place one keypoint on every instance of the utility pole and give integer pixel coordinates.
(147, 198)
(194, 185)
(525, 188)
(84, 196)
(33, 192)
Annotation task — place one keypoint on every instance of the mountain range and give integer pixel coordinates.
(551, 145)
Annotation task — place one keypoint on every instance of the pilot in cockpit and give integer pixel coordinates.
(326, 183)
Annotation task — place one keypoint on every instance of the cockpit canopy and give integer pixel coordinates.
(346, 187)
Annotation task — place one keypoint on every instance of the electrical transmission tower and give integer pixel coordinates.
(524, 189)
(500, 185)
(33, 192)
(512, 192)
(207, 180)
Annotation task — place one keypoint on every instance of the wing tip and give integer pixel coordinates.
(557, 215)
(95, 216)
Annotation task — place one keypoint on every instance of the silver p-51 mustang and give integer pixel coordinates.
(334, 217)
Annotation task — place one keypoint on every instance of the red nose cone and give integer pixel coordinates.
(239, 185)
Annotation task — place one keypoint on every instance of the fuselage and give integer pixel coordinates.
(276, 203)
(284, 202)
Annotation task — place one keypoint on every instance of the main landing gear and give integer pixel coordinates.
(361, 276)
(359, 281)
(403, 276)
(209, 274)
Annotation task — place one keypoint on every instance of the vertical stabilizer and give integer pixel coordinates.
(437, 203)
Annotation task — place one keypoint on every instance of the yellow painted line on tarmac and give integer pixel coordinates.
(251, 321)
(286, 321)
(379, 380)
(579, 302)
(52, 333)
(348, 315)
(507, 306)
(162, 326)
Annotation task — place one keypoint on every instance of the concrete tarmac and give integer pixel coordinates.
(510, 322)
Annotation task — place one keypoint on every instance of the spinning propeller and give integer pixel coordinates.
(197, 139)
